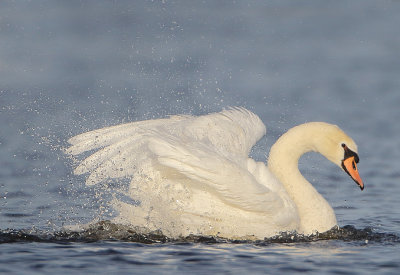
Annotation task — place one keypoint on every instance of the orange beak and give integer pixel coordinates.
(350, 166)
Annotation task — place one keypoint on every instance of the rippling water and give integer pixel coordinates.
(124, 250)
(70, 66)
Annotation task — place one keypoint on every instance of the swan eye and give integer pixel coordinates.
(348, 153)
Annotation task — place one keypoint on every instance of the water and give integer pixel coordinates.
(71, 66)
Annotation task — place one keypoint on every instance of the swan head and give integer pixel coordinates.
(339, 148)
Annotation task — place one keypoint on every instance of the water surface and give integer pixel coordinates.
(70, 66)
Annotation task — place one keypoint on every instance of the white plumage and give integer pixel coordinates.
(192, 175)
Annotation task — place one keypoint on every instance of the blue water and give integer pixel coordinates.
(71, 66)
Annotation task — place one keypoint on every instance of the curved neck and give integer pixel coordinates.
(314, 211)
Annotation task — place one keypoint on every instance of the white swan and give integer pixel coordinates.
(192, 175)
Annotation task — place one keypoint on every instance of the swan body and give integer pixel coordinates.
(192, 175)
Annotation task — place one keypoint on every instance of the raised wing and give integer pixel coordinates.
(231, 132)
(228, 179)
(210, 151)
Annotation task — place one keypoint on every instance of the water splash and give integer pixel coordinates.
(108, 231)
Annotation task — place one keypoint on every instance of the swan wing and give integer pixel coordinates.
(121, 149)
(228, 179)
(231, 132)
(211, 151)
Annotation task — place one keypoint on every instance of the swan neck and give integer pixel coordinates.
(314, 211)
(286, 152)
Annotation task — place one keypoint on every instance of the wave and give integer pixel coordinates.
(108, 231)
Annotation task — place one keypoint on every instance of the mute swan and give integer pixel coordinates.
(192, 175)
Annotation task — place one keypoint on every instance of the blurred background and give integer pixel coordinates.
(71, 66)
